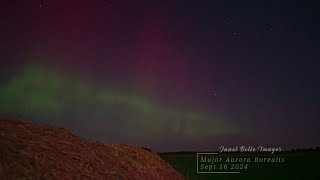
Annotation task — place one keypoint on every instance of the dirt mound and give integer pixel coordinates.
(33, 151)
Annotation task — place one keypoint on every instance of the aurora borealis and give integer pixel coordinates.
(42, 93)
(168, 75)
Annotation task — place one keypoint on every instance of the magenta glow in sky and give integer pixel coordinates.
(246, 73)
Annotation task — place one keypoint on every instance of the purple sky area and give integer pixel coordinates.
(169, 75)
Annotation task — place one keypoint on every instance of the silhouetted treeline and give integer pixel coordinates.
(306, 149)
(315, 149)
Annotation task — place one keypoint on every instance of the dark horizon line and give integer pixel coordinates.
(18, 117)
(314, 149)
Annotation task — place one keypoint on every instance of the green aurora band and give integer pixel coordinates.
(47, 95)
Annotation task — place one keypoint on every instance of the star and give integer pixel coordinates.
(43, 4)
(268, 27)
(235, 37)
(214, 92)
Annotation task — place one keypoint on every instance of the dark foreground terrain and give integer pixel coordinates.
(33, 151)
(296, 165)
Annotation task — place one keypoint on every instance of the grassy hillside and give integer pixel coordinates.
(33, 151)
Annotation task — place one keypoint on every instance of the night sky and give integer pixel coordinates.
(169, 75)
